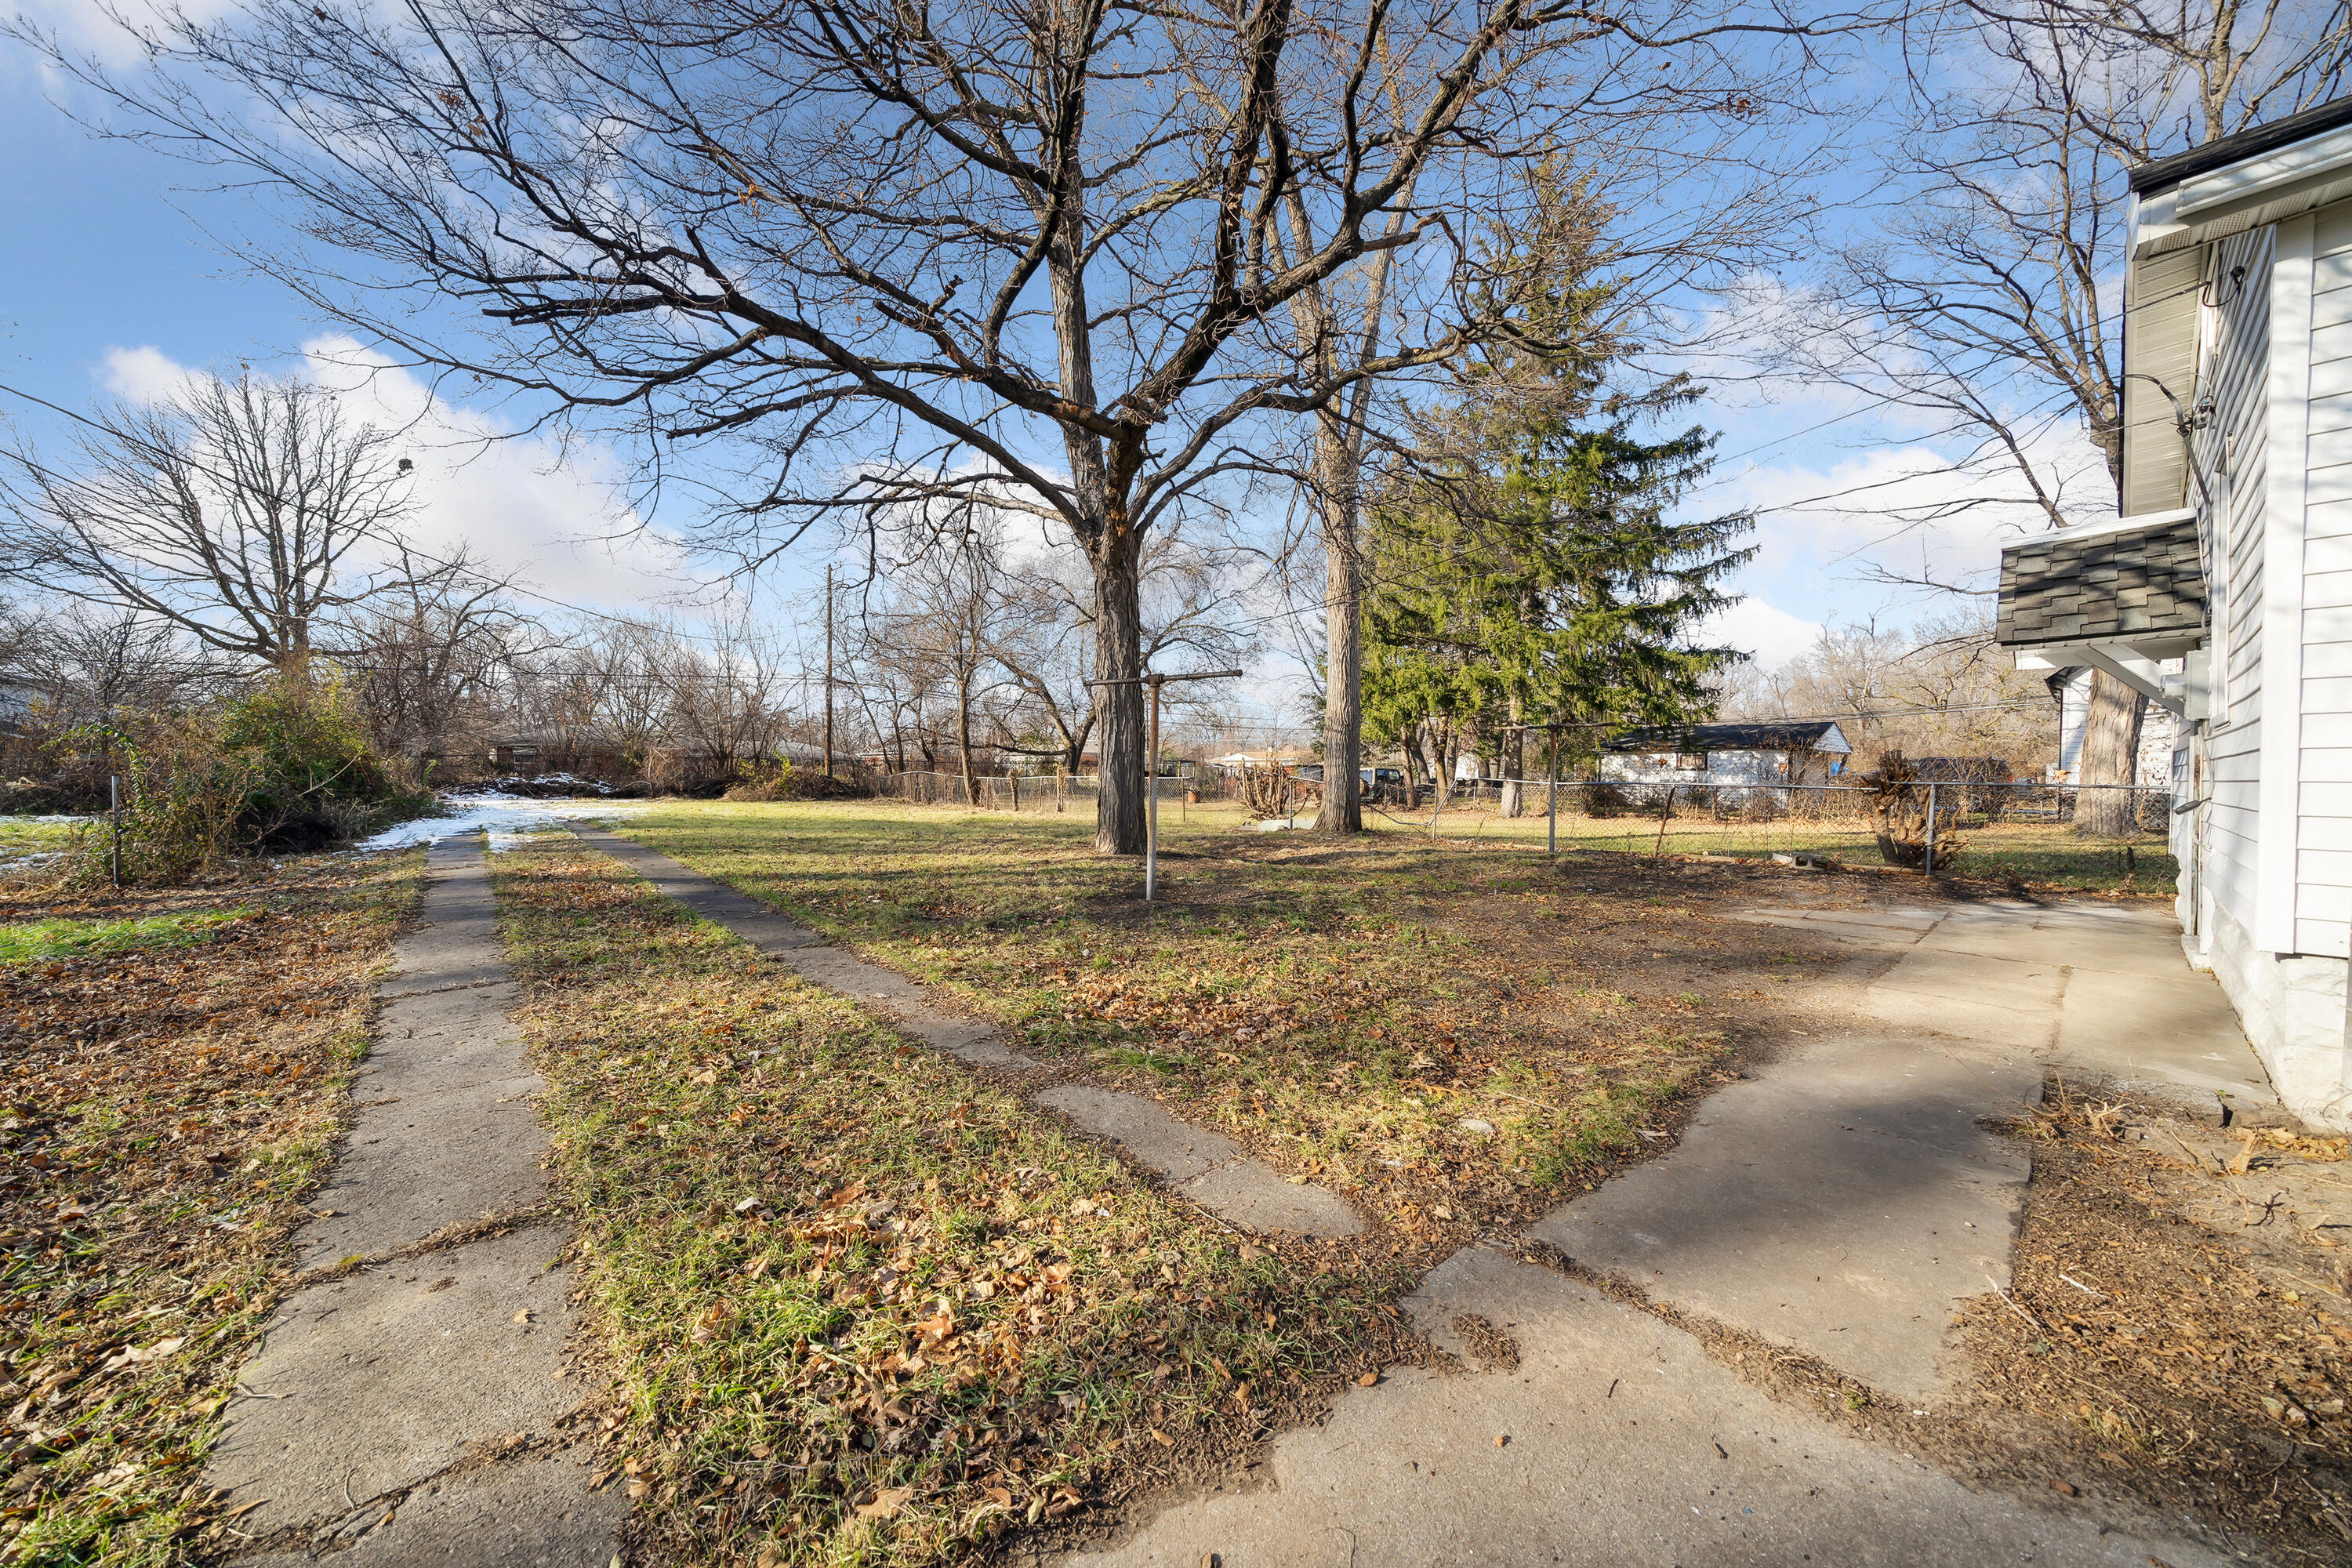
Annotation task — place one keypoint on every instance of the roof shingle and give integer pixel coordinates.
(2131, 582)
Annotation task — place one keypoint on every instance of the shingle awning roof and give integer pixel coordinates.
(1764, 735)
(2144, 585)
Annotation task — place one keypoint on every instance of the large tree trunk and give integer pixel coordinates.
(1343, 684)
(1514, 766)
(964, 741)
(2110, 756)
(1118, 708)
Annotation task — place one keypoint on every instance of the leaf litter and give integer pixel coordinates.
(175, 1066)
(860, 1303)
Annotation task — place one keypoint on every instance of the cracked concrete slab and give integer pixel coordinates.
(536, 1512)
(1842, 1200)
(1207, 1167)
(1253, 1194)
(1621, 1442)
(382, 1380)
(440, 1370)
(428, 1162)
(1177, 1150)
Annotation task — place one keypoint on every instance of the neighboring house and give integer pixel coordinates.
(2223, 588)
(1766, 751)
(2159, 730)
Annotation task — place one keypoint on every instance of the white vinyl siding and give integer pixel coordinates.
(2324, 802)
(2230, 452)
(2160, 326)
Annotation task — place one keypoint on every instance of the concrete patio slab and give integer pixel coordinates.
(1842, 1200)
(1615, 1440)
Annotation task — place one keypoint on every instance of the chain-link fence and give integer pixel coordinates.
(2072, 835)
(1052, 796)
(2077, 834)
(1031, 795)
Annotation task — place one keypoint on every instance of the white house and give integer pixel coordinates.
(2223, 588)
(1774, 751)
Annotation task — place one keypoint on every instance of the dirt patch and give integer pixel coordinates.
(2176, 1341)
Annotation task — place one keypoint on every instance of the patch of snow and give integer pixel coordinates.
(505, 818)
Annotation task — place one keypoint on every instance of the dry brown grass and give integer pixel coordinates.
(170, 1095)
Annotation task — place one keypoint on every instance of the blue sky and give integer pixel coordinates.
(112, 284)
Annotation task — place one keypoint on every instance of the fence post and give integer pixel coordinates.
(1551, 800)
(114, 812)
(1930, 869)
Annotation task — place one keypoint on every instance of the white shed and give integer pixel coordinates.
(1766, 751)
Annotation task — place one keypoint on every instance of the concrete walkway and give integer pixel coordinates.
(1842, 1201)
(1206, 1167)
(411, 1409)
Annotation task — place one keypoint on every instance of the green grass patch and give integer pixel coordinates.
(33, 941)
(864, 1307)
(1350, 1010)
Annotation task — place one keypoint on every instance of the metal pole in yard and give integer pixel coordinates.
(1930, 869)
(1151, 767)
(1151, 806)
(1551, 800)
(114, 812)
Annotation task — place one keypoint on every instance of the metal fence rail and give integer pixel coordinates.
(2036, 831)
(2082, 834)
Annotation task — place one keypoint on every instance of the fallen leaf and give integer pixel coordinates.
(523, 1316)
(886, 1503)
(1368, 1378)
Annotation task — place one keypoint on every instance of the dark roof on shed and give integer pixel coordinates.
(1765, 736)
(2130, 582)
(2252, 142)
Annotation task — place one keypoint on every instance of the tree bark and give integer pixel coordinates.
(1343, 682)
(964, 741)
(2110, 756)
(1119, 710)
(1513, 765)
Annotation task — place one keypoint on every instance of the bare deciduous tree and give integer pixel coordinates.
(242, 511)
(971, 253)
(1986, 305)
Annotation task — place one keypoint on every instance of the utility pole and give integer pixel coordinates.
(1151, 767)
(828, 672)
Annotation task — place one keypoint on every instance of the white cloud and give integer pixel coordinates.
(556, 515)
(1765, 632)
